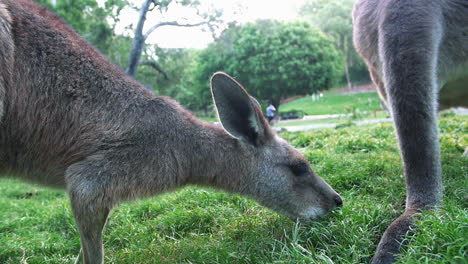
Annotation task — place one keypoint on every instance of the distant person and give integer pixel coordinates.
(270, 112)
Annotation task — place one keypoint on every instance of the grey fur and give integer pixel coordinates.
(6, 52)
(417, 55)
(72, 120)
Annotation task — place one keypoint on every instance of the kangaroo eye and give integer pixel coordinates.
(299, 169)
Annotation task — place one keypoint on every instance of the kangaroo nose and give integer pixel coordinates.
(338, 201)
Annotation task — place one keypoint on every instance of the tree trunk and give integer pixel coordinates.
(140, 37)
(348, 79)
(138, 40)
(346, 55)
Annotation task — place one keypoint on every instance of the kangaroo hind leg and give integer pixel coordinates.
(408, 50)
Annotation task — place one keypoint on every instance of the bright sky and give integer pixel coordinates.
(182, 37)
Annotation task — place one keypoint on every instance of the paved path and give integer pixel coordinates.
(316, 117)
(461, 111)
(458, 111)
(332, 125)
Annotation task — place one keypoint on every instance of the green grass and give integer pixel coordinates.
(197, 225)
(334, 103)
(209, 119)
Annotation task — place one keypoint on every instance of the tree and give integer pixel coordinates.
(161, 5)
(216, 57)
(334, 18)
(274, 60)
(74, 12)
(175, 80)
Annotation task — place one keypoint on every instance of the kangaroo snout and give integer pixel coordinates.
(323, 204)
(338, 200)
(330, 198)
(315, 213)
(332, 203)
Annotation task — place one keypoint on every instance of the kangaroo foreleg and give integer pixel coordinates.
(89, 197)
(90, 220)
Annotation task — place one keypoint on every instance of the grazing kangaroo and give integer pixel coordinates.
(70, 119)
(417, 55)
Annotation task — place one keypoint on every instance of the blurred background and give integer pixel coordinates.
(286, 53)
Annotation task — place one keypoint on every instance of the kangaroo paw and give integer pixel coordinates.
(392, 239)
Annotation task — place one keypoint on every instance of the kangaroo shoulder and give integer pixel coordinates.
(5, 20)
(4, 13)
(6, 39)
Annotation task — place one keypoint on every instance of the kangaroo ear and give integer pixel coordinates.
(238, 112)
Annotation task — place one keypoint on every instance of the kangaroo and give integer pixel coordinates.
(417, 55)
(72, 120)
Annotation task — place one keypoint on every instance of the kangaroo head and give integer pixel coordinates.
(278, 176)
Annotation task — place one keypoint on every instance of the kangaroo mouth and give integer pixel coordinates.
(307, 216)
(311, 214)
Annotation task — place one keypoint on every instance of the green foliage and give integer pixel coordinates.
(100, 24)
(177, 65)
(119, 50)
(74, 12)
(216, 57)
(279, 60)
(199, 225)
(273, 60)
(334, 18)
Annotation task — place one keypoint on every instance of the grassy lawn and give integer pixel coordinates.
(199, 225)
(209, 119)
(334, 103)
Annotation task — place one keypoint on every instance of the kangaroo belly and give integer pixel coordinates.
(452, 94)
(27, 162)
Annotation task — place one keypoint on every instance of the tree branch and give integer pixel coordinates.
(171, 23)
(155, 66)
